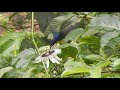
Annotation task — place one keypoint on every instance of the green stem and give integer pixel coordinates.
(33, 40)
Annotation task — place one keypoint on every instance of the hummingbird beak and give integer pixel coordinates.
(50, 48)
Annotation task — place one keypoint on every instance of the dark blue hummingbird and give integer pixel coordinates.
(60, 35)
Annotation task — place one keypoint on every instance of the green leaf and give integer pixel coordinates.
(102, 53)
(89, 44)
(94, 57)
(72, 67)
(66, 48)
(75, 71)
(4, 70)
(56, 23)
(116, 64)
(103, 63)
(10, 43)
(90, 32)
(107, 37)
(11, 35)
(95, 72)
(105, 21)
(23, 58)
(74, 35)
(114, 44)
(28, 73)
(92, 40)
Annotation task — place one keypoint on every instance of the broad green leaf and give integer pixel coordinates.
(23, 63)
(11, 35)
(56, 23)
(66, 50)
(114, 44)
(10, 43)
(72, 67)
(90, 32)
(28, 73)
(105, 21)
(94, 58)
(92, 40)
(23, 58)
(107, 37)
(4, 70)
(74, 35)
(70, 46)
(10, 47)
(95, 72)
(71, 63)
(116, 64)
(75, 71)
(103, 63)
(89, 44)
(102, 53)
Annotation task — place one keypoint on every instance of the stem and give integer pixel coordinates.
(33, 40)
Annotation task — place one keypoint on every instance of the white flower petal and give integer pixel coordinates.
(57, 51)
(53, 59)
(38, 59)
(56, 57)
(47, 63)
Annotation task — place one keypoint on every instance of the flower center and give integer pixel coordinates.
(48, 53)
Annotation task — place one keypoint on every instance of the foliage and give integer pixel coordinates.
(90, 50)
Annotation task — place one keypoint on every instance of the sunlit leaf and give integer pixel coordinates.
(23, 58)
(95, 72)
(103, 63)
(66, 50)
(94, 57)
(11, 42)
(105, 21)
(74, 35)
(72, 67)
(107, 37)
(116, 64)
(28, 73)
(90, 32)
(92, 40)
(102, 53)
(4, 70)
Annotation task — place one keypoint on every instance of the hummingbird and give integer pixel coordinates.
(57, 36)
